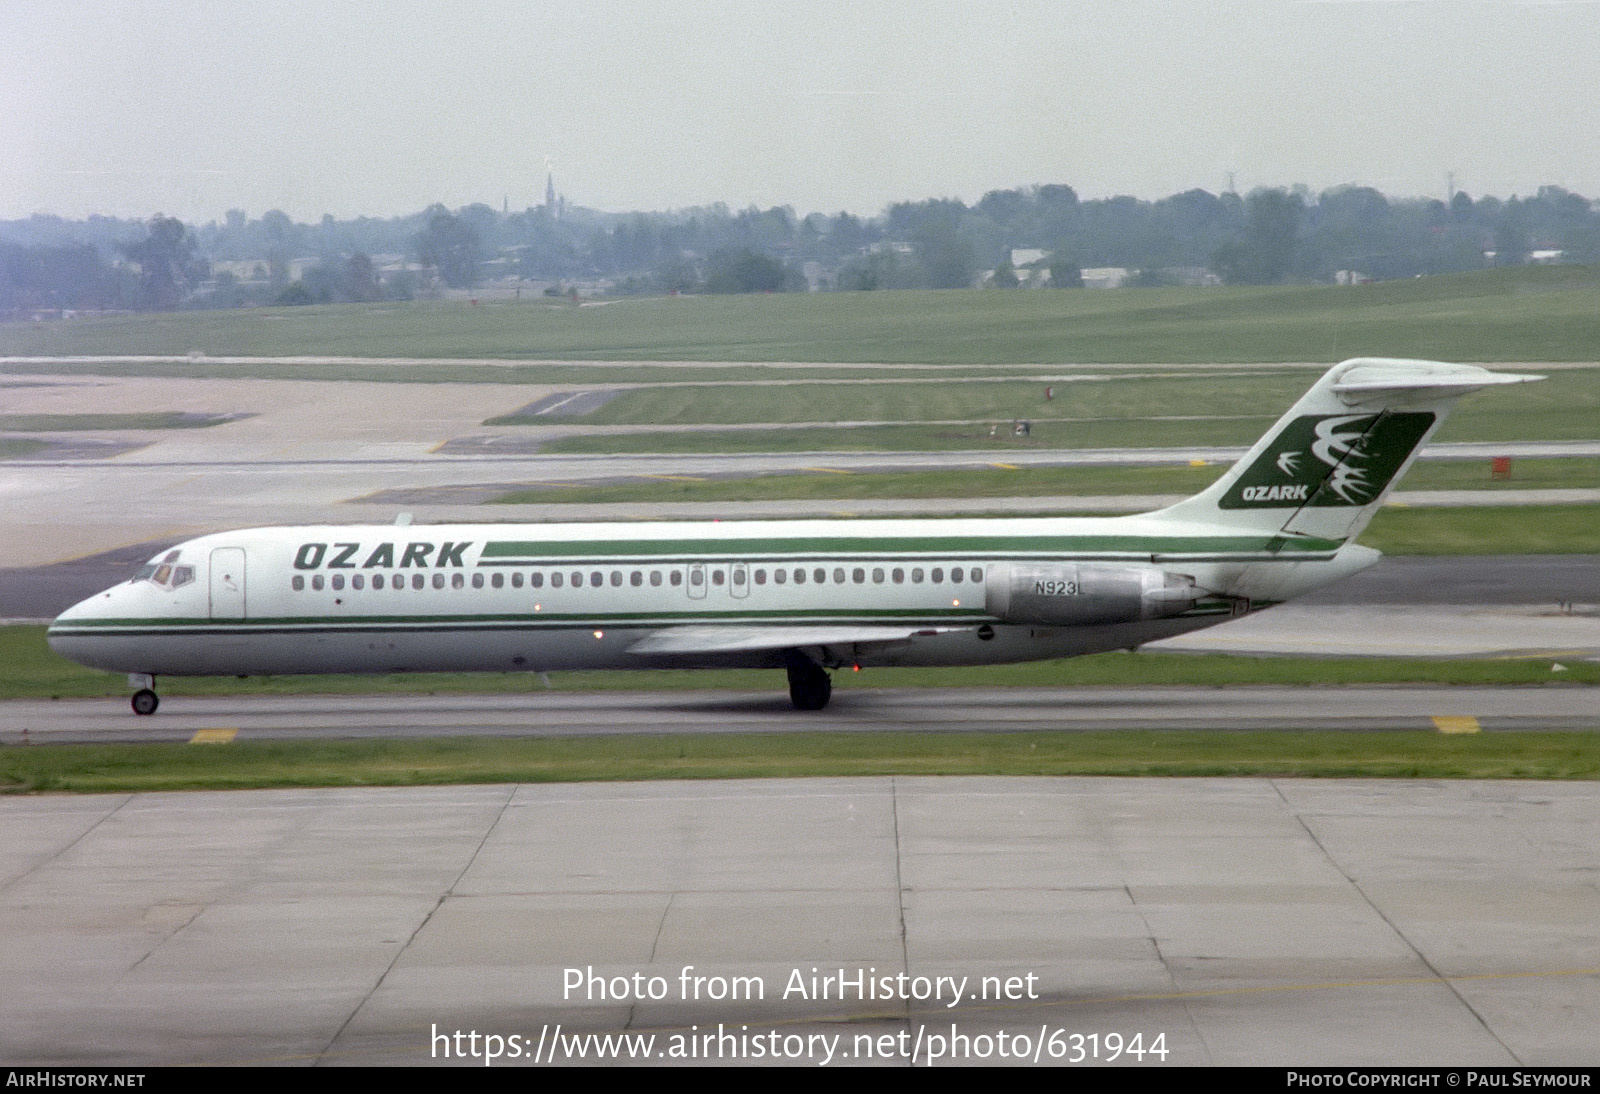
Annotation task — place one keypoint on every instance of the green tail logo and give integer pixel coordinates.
(1329, 460)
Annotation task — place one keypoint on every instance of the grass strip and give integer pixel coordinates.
(1516, 314)
(61, 423)
(1486, 530)
(1003, 482)
(451, 761)
(1564, 407)
(918, 438)
(1198, 405)
(984, 483)
(13, 447)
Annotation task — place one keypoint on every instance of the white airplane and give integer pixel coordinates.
(803, 595)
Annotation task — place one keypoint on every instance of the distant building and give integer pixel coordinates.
(1535, 258)
(255, 269)
(1190, 275)
(1106, 277)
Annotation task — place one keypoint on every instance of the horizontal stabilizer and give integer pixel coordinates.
(736, 639)
(1381, 378)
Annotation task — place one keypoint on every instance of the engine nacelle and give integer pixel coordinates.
(1064, 594)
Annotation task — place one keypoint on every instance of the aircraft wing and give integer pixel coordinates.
(738, 638)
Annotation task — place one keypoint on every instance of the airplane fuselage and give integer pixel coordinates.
(507, 598)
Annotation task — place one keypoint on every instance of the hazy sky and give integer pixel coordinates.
(192, 107)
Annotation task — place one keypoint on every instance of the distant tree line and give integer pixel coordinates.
(1266, 237)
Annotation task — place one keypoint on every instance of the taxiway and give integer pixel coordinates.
(1232, 921)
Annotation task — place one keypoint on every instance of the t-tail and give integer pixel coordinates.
(1329, 463)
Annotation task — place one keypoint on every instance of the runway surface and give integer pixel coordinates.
(867, 710)
(1223, 921)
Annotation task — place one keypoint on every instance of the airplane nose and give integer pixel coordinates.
(86, 608)
(63, 637)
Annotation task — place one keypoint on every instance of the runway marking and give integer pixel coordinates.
(438, 446)
(557, 406)
(1006, 466)
(675, 478)
(213, 736)
(829, 470)
(1456, 723)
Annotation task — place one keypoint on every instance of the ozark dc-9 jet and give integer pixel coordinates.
(805, 596)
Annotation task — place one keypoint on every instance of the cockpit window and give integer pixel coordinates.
(163, 572)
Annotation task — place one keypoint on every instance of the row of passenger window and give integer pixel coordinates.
(857, 575)
(697, 576)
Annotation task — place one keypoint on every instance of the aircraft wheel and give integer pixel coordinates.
(810, 688)
(145, 701)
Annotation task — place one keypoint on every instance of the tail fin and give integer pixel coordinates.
(1330, 462)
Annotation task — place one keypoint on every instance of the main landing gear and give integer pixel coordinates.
(810, 688)
(145, 700)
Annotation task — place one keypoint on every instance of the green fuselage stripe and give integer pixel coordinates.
(548, 620)
(1061, 548)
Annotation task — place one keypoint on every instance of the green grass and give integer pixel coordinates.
(919, 438)
(1258, 394)
(1000, 482)
(61, 423)
(1171, 411)
(1525, 314)
(1525, 412)
(1573, 473)
(12, 447)
(849, 486)
(1489, 530)
(29, 670)
(1398, 754)
(427, 373)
